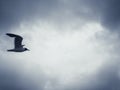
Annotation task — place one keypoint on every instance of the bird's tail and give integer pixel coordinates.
(10, 50)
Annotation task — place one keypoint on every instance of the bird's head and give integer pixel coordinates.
(27, 49)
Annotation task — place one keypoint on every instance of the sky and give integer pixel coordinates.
(74, 45)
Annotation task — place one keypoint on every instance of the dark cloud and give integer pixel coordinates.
(107, 11)
(12, 12)
(104, 11)
(11, 80)
(106, 78)
(111, 14)
(13, 77)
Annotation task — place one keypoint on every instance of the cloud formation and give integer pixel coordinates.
(13, 12)
(69, 42)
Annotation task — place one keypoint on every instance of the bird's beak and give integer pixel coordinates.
(28, 50)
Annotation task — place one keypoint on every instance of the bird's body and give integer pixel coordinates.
(18, 47)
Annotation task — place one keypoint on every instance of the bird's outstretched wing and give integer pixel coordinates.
(17, 41)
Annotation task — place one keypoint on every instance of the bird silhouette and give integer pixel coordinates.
(18, 47)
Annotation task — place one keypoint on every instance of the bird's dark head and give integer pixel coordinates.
(27, 49)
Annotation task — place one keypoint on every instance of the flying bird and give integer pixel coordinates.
(18, 47)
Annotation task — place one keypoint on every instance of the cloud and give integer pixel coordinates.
(75, 58)
(11, 79)
(17, 74)
(69, 44)
(107, 11)
(13, 12)
(104, 12)
(106, 78)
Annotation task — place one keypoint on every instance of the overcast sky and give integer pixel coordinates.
(74, 45)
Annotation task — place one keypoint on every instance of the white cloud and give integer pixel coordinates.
(65, 57)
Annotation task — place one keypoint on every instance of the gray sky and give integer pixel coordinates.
(74, 45)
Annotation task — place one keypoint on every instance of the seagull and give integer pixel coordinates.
(18, 47)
